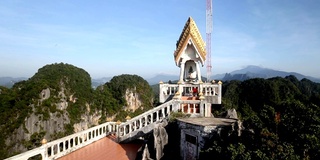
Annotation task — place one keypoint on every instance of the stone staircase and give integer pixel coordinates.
(144, 123)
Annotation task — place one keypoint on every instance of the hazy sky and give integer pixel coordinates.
(113, 37)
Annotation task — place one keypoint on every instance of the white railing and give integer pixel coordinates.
(211, 90)
(170, 89)
(65, 145)
(166, 91)
(145, 121)
(142, 123)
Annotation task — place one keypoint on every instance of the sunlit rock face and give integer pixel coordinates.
(87, 120)
(133, 100)
(49, 125)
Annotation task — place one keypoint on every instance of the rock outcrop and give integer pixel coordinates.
(46, 124)
(232, 113)
(87, 120)
(133, 100)
(160, 139)
(146, 154)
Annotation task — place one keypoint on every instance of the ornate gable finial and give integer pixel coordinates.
(190, 31)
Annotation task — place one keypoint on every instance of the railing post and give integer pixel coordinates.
(130, 129)
(163, 114)
(64, 145)
(58, 146)
(44, 148)
(145, 120)
(118, 132)
(157, 115)
(219, 92)
(194, 108)
(78, 139)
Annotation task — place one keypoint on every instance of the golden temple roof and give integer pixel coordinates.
(190, 30)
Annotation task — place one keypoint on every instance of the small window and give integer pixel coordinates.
(191, 139)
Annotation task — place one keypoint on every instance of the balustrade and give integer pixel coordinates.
(147, 118)
(65, 145)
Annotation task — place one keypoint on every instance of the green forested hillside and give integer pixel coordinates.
(119, 84)
(280, 115)
(110, 96)
(280, 120)
(24, 99)
(68, 85)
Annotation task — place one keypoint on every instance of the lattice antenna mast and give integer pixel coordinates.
(208, 36)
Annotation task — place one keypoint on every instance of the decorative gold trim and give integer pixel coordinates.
(190, 31)
(128, 118)
(43, 141)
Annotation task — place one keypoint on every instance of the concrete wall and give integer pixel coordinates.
(192, 139)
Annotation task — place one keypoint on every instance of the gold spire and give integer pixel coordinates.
(190, 31)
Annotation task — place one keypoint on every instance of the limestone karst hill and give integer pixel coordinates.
(59, 100)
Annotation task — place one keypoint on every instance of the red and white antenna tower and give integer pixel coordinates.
(208, 36)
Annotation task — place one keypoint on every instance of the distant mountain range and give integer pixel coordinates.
(260, 72)
(154, 80)
(9, 81)
(248, 72)
(100, 81)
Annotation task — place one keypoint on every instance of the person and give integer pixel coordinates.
(195, 91)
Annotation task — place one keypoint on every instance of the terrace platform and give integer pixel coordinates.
(105, 148)
(208, 121)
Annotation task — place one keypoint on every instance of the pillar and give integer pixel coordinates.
(182, 65)
(219, 92)
(202, 108)
(208, 109)
(199, 72)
